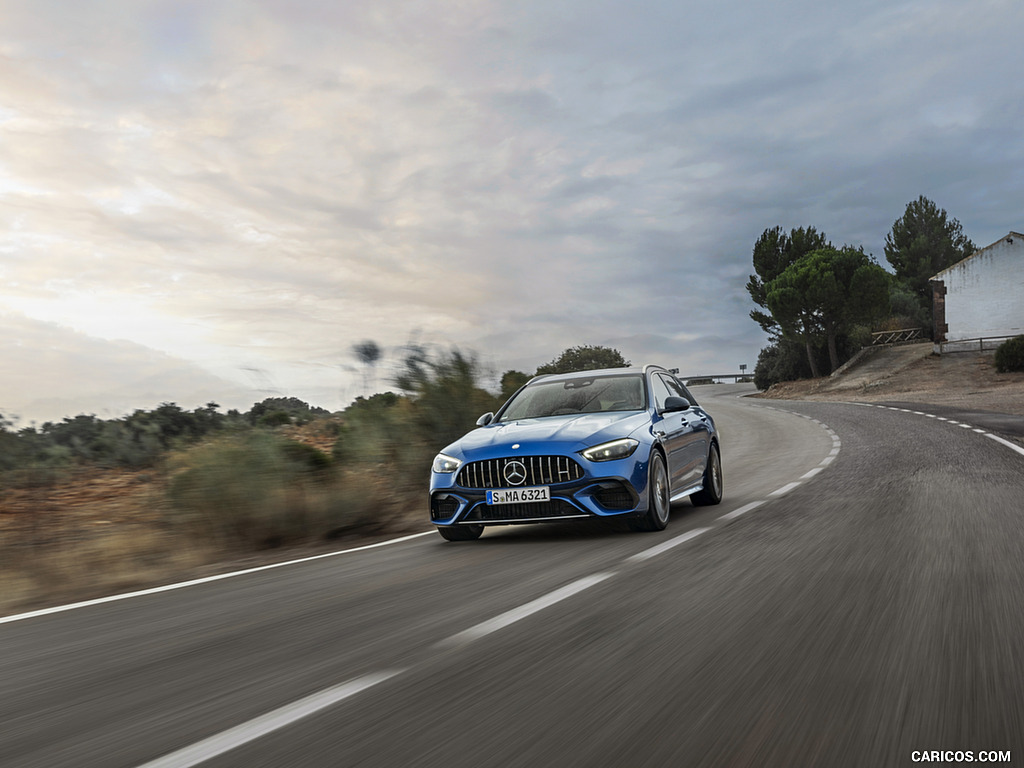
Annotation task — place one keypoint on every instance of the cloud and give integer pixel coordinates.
(255, 186)
(51, 372)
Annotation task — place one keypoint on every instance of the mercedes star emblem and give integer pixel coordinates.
(515, 473)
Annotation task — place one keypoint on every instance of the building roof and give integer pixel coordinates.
(1008, 239)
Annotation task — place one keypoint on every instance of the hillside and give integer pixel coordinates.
(912, 373)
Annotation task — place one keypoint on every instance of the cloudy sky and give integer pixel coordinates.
(215, 200)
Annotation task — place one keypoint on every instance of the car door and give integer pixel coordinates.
(700, 425)
(677, 435)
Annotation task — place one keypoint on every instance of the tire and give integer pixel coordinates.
(460, 532)
(713, 484)
(658, 497)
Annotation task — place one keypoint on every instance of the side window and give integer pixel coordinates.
(678, 389)
(661, 390)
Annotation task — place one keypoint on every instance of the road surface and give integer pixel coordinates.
(856, 599)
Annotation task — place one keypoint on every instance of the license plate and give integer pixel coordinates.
(519, 495)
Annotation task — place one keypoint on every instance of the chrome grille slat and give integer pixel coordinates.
(540, 470)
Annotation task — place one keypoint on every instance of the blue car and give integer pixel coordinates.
(614, 443)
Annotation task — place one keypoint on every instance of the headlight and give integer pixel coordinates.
(616, 449)
(445, 464)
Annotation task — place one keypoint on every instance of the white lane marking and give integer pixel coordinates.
(742, 510)
(1007, 443)
(665, 546)
(979, 431)
(242, 734)
(812, 473)
(784, 489)
(829, 459)
(942, 418)
(516, 614)
(931, 415)
(204, 580)
(966, 426)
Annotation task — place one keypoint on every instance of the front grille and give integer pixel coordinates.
(512, 512)
(540, 470)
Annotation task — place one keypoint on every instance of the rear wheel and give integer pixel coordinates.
(658, 498)
(460, 532)
(711, 493)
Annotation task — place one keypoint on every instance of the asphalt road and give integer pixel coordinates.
(854, 600)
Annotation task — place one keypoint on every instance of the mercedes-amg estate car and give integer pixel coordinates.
(618, 442)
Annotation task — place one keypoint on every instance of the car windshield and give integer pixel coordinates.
(598, 394)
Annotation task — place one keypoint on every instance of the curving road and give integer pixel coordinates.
(857, 598)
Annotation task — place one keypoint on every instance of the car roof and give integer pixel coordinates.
(597, 372)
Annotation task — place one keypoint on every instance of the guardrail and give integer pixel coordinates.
(903, 336)
(970, 345)
(694, 380)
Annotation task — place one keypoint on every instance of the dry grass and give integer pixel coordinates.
(965, 380)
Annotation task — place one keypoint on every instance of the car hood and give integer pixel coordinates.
(576, 431)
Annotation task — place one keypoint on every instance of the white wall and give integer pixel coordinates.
(985, 293)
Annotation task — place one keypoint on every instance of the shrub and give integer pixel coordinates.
(253, 490)
(1010, 355)
(783, 361)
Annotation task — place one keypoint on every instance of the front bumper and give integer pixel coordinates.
(585, 498)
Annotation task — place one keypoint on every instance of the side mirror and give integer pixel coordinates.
(484, 420)
(675, 404)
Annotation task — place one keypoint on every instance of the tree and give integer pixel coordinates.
(922, 243)
(511, 381)
(773, 252)
(368, 353)
(584, 358)
(824, 293)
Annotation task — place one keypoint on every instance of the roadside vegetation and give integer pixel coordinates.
(819, 303)
(1010, 355)
(91, 505)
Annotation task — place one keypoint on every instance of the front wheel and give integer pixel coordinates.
(711, 493)
(658, 498)
(460, 532)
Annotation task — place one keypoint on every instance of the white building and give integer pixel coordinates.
(982, 296)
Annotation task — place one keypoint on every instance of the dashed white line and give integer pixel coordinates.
(528, 609)
(784, 489)
(242, 734)
(647, 554)
(951, 422)
(812, 473)
(742, 510)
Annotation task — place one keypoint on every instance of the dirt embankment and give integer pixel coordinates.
(966, 380)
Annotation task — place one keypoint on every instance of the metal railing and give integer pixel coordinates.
(903, 336)
(979, 344)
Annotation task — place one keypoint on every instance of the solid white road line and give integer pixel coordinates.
(204, 580)
(1007, 443)
(516, 614)
(272, 721)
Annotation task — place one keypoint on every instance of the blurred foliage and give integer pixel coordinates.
(252, 490)
(141, 439)
(511, 381)
(584, 358)
(1010, 355)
